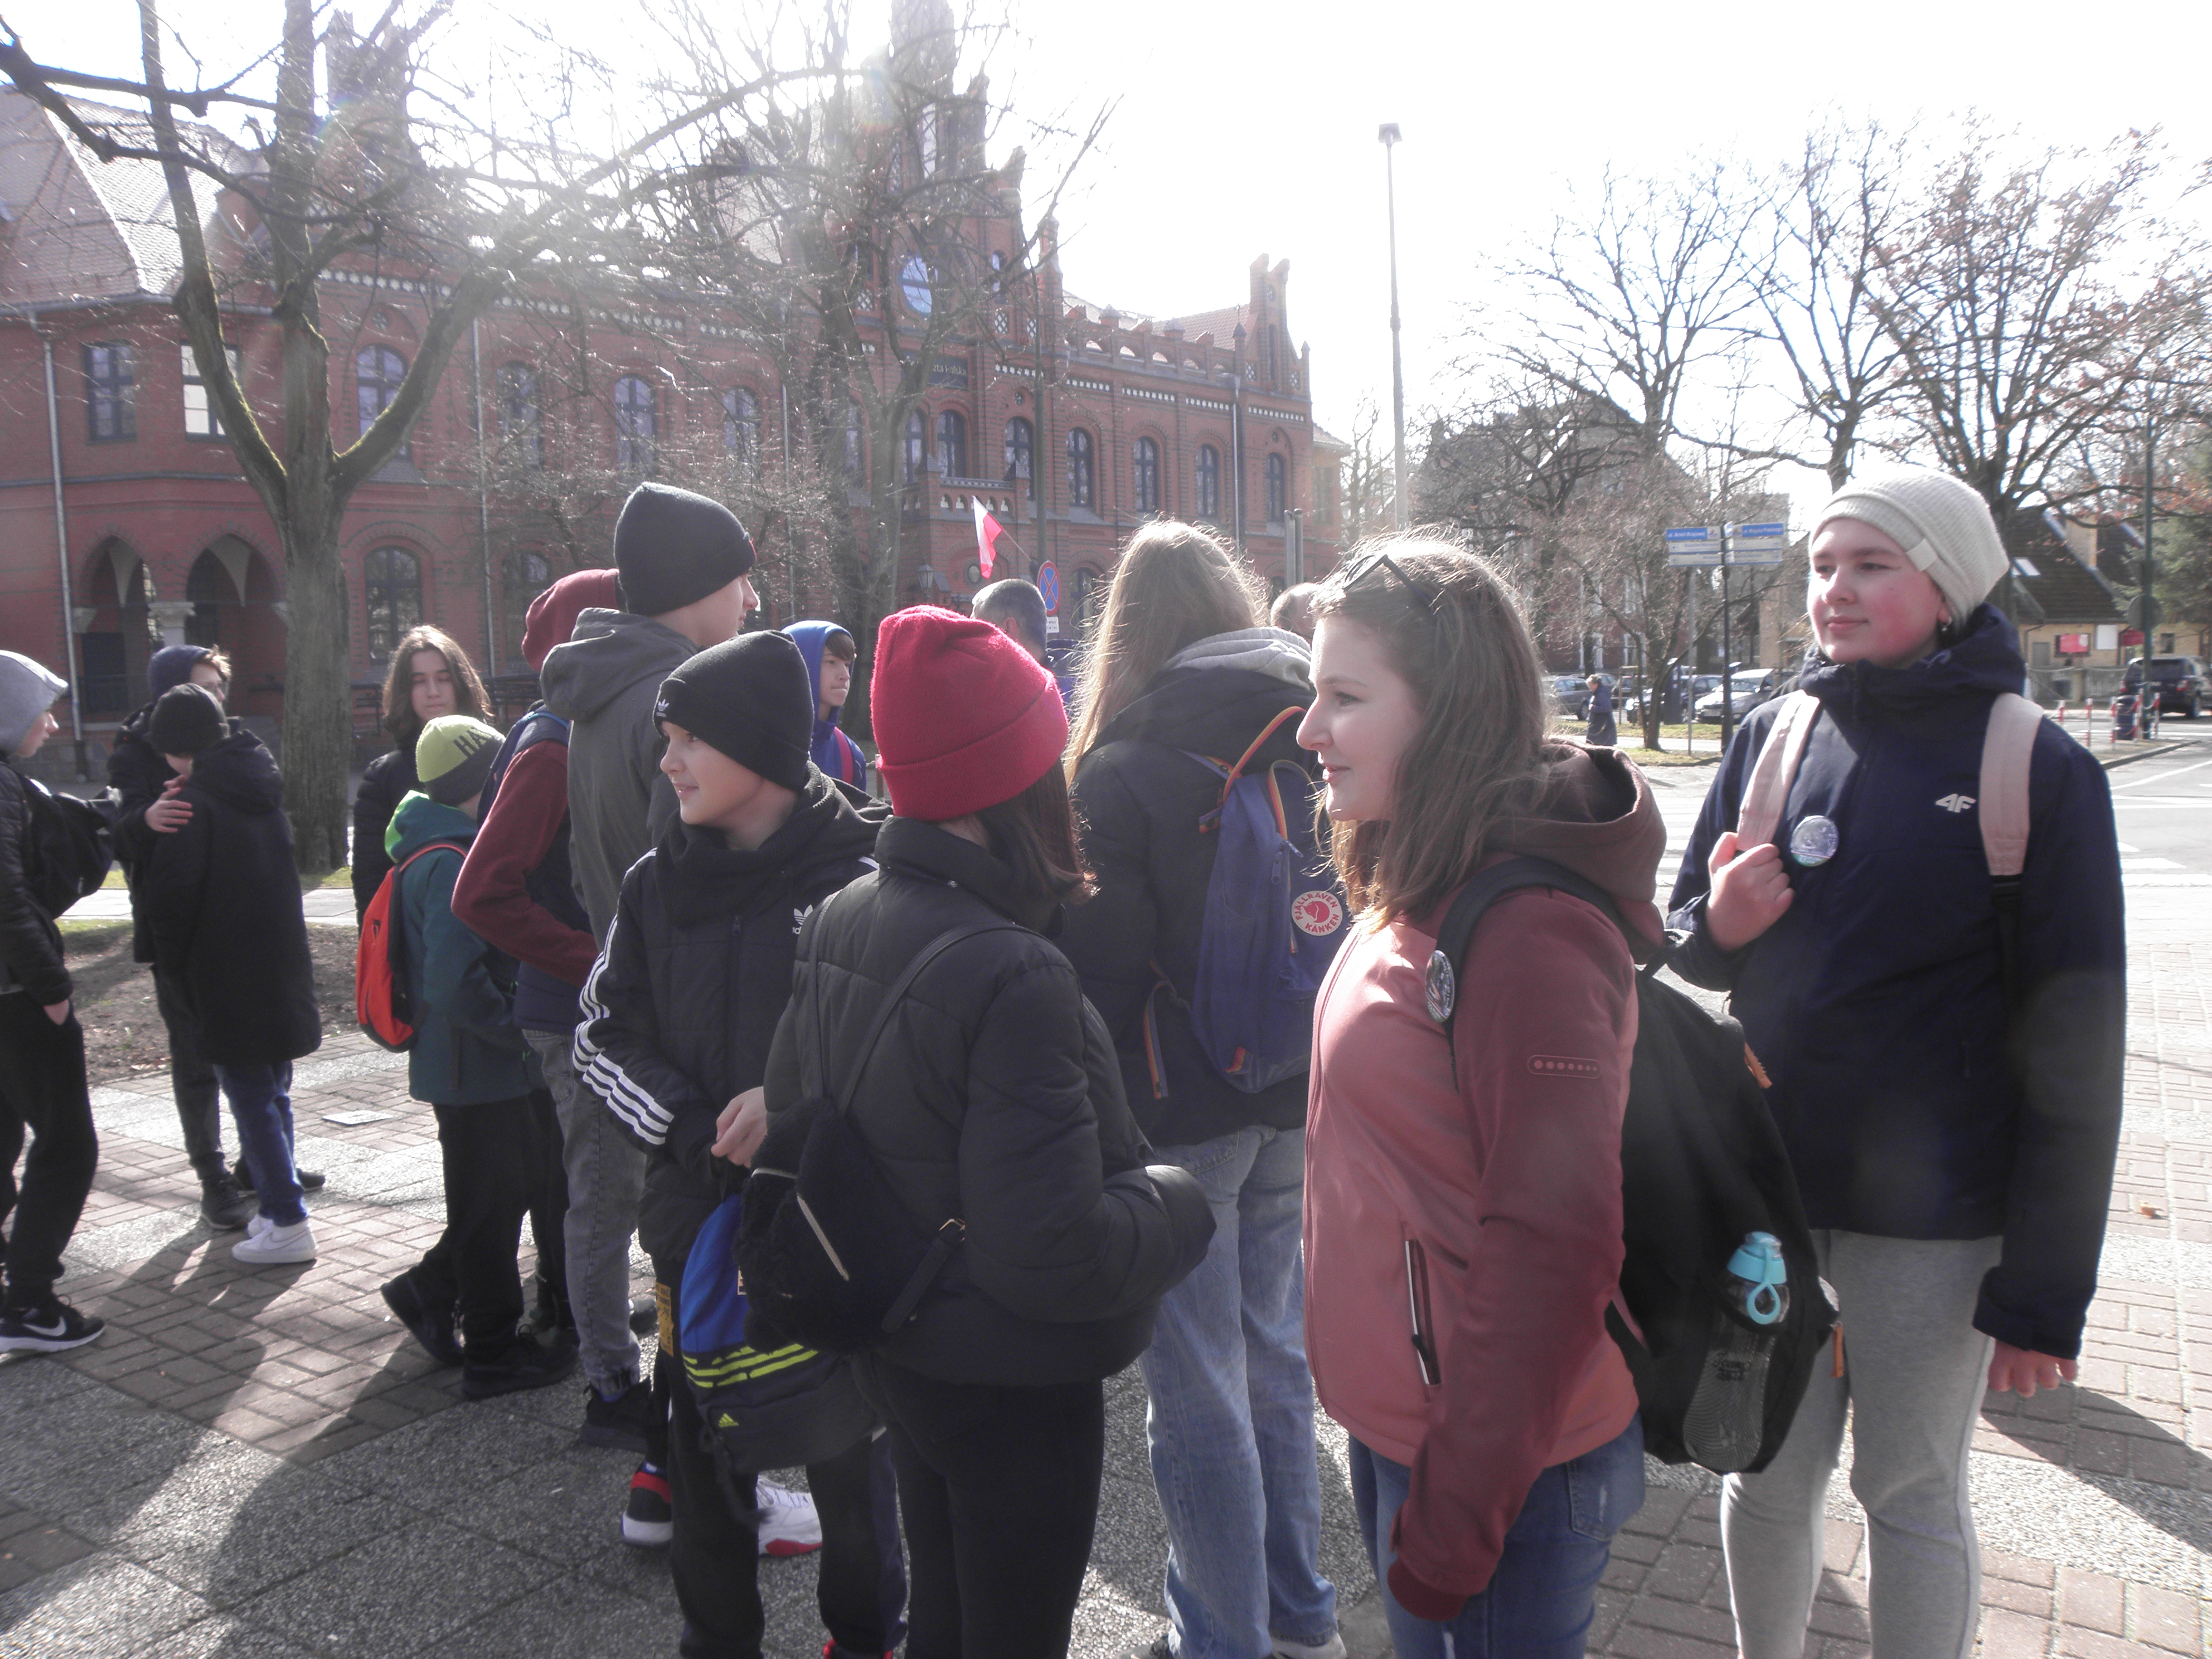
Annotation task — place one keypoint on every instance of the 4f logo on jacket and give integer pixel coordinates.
(1955, 804)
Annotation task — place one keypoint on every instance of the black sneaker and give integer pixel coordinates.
(649, 1515)
(522, 1363)
(224, 1205)
(311, 1180)
(620, 1422)
(433, 1329)
(47, 1326)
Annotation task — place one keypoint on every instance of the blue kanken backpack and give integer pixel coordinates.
(1274, 916)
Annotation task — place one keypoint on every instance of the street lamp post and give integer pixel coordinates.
(1391, 136)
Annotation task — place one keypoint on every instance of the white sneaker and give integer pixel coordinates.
(788, 1524)
(1286, 1649)
(266, 1244)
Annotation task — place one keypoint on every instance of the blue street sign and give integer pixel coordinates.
(1049, 584)
(1758, 543)
(1699, 545)
(1750, 532)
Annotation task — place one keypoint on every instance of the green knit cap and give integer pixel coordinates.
(453, 756)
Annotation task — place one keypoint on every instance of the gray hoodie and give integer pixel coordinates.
(603, 682)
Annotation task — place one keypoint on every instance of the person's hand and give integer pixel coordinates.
(741, 1126)
(2023, 1371)
(1750, 890)
(169, 814)
(59, 1011)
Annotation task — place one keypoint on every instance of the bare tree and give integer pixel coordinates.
(1370, 478)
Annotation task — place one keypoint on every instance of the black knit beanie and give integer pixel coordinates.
(186, 718)
(750, 698)
(672, 548)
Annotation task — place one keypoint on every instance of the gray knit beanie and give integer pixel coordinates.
(28, 689)
(1943, 526)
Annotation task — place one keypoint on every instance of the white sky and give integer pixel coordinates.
(1246, 128)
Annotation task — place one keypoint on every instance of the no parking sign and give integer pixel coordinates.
(1049, 584)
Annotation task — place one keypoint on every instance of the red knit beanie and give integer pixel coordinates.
(964, 718)
(552, 615)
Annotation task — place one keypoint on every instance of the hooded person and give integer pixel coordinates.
(682, 560)
(516, 891)
(221, 901)
(43, 1092)
(829, 653)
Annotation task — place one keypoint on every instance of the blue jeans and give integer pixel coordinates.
(1540, 1599)
(1231, 1417)
(261, 1107)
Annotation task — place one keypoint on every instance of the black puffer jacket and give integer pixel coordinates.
(994, 1096)
(384, 782)
(138, 773)
(680, 1008)
(30, 944)
(1139, 797)
(221, 903)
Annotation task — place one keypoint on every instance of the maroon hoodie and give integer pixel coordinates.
(1494, 1153)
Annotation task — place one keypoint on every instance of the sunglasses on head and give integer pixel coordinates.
(1368, 563)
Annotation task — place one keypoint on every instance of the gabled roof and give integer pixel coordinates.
(2049, 583)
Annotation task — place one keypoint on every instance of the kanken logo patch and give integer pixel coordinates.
(1319, 913)
(1563, 1066)
(1955, 804)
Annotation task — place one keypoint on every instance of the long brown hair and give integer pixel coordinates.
(1035, 832)
(1452, 631)
(469, 695)
(1175, 586)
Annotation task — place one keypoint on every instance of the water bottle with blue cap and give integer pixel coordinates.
(1760, 1287)
(1727, 1416)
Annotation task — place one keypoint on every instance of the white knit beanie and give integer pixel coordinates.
(1943, 526)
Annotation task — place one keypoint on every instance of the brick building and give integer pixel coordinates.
(125, 522)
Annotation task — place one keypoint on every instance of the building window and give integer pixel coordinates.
(1080, 473)
(1209, 481)
(634, 428)
(393, 581)
(521, 418)
(111, 409)
(377, 372)
(914, 456)
(200, 418)
(1021, 447)
(856, 472)
(741, 426)
(207, 585)
(953, 443)
(1145, 475)
(1279, 474)
(528, 576)
(1325, 480)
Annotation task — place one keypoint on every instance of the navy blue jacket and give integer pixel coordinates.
(1875, 1003)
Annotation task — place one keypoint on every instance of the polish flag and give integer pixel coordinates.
(988, 532)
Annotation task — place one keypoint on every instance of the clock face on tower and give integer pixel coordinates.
(914, 284)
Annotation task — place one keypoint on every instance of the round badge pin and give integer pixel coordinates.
(1442, 988)
(1815, 841)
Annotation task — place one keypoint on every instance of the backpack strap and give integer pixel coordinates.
(928, 953)
(1456, 932)
(1766, 796)
(1253, 748)
(2008, 753)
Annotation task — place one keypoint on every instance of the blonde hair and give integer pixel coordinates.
(1478, 756)
(1175, 586)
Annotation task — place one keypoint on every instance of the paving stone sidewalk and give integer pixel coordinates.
(261, 1464)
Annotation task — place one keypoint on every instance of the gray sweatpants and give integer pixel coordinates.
(607, 1176)
(1916, 1369)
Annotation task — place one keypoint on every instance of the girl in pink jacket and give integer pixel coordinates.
(1462, 1222)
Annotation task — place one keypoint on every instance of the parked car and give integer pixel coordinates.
(1571, 692)
(2180, 682)
(1749, 687)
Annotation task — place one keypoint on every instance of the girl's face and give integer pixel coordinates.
(431, 686)
(1364, 716)
(1869, 602)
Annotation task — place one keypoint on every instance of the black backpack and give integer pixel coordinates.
(1702, 1167)
(70, 846)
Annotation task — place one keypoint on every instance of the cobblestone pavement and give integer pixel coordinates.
(262, 1464)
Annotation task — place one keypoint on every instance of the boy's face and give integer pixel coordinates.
(431, 686)
(836, 682)
(712, 790)
(36, 739)
(210, 680)
(180, 765)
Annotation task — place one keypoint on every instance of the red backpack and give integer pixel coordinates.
(380, 1001)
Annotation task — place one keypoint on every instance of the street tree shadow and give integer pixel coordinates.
(2141, 1465)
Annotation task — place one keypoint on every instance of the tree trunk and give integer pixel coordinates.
(317, 696)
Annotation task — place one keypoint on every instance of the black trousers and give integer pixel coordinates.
(192, 1080)
(488, 1155)
(43, 1094)
(549, 1206)
(998, 1490)
(715, 1557)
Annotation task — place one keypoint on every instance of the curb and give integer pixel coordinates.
(2108, 762)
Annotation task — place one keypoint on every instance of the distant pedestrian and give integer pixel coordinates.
(42, 1080)
(1603, 734)
(1017, 609)
(221, 902)
(429, 675)
(830, 654)
(1463, 1203)
(1292, 610)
